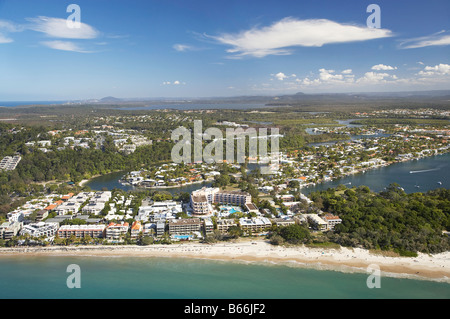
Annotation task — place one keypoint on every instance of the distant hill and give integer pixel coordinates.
(110, 99)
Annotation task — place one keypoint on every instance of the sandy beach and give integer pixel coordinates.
(427, 267)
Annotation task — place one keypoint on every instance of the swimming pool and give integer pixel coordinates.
(182, 237)
(231, 210)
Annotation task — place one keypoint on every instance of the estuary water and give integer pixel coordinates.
(179, 278)
(111, 181)
(414, 176)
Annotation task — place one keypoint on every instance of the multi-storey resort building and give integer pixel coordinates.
(116, 232)
(202, 199)
(184, 226)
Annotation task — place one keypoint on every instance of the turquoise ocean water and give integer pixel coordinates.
(179, 278)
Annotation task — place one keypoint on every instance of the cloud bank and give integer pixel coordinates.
(280, 37)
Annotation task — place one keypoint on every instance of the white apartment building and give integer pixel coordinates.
(68, 208)
(116, 232)
(40, 229)
(331, 220)
(208, 226)
(316, 222)
(81, 231)
(184, 226)
(159, 210)
(101, 197)
(93, 208)
(202, 199)
(9, 229)
(9, 163)
(224, 224)
(256, 224)
(200, 205)
(15, 216)
(283, 221)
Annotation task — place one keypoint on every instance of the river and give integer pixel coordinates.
(111, 181)
(426, 173)
(414, 176)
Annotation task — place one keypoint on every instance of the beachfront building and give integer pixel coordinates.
(136, 229)
(316, 222)
(224, 224)
(208, 226)
(184, 226)
(280, 222)
(255, 225)
(160, 228)
(10, 229)
(116, 232)
(332, 220)
(81, 231)
(40, 229)
(203, 199)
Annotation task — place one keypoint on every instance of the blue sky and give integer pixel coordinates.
(160, 48)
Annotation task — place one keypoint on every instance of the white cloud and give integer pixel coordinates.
(182, 47)
(437, 39)
(440, 69)
(382, 67)
(289, 32)
(329, 80)
(174, 83)
(58, 28)
(5, 39)
(64, 46)
(376, 77)
(328, 76)
(307, 81)
(280, 76)
(8, 27)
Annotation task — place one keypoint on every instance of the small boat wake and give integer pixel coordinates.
(424, 171)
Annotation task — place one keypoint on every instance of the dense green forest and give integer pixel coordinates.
(64, 165)
(389, 220)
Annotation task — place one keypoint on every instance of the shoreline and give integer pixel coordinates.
(347, 260)
(374, 167)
